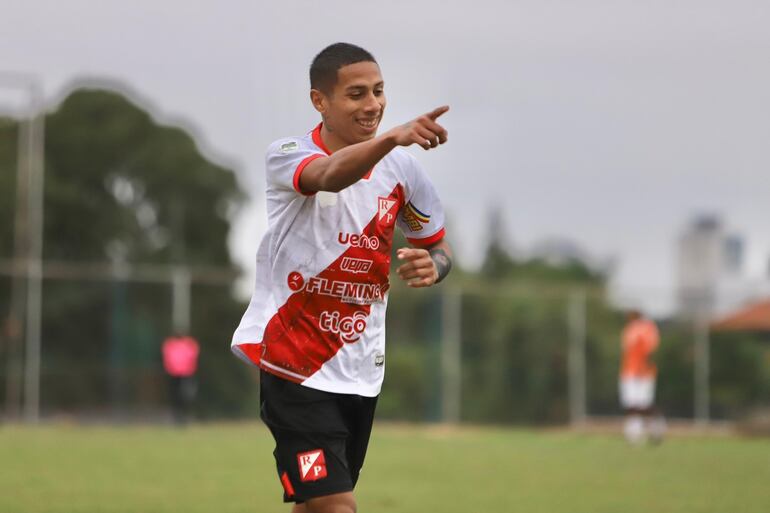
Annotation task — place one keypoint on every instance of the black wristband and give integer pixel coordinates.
(442, 262)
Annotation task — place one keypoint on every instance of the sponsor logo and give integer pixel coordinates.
(348, 328)
(312, 465)
(355, 265)
(289, 147)
(413, 218)
(386, 210)
(346, 291)
(355, 240)
(379, 360)
(295, 281)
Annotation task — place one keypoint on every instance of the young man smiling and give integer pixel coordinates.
(316, 321)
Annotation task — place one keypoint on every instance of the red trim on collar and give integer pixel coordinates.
(316, 136)
(317, 139)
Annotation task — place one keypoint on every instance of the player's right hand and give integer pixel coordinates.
(422, 130)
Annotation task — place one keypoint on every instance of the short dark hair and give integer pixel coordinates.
(633, 314)
(323, 70)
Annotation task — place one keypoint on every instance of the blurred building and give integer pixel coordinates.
(711, 278)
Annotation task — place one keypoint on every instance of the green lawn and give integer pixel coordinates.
(229, 468)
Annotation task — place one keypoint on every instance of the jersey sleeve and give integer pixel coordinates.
(422, 217)
(285, 161)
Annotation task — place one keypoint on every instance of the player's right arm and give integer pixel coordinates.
(346, 166)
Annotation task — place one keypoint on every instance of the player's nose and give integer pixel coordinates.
(372, 104)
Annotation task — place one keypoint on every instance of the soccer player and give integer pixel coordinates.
(637, 380)
(315, 325)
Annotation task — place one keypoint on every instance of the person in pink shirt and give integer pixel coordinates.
(180, 361)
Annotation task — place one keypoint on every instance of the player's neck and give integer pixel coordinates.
(331, 140)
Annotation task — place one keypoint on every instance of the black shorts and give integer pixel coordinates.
(320, 437)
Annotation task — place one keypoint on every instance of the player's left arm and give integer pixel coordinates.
(427, 266)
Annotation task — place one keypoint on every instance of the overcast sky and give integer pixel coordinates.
(607, 122)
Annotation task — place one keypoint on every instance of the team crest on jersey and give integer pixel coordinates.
(289, 147)
(413, 218)
(312, 465)
(387, 209)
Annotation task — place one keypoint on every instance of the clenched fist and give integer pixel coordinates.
(418, 269)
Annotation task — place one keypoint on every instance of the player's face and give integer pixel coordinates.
(353, 110)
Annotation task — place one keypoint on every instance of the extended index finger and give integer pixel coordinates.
(435, 113)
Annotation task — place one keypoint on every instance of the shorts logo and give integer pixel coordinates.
(312, 465)
(386, 210)
(413, 218)
(348, 328)
(355, 265)
(379, 360)
(359, 241)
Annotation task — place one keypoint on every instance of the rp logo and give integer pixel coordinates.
(312, 465)
(386, 210)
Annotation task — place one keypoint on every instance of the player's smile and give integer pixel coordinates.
(369, 126)
(367, 119)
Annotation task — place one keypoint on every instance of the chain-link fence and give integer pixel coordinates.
(101, 348)
(478, 354)
(538, 355)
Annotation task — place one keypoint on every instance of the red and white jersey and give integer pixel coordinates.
(317, 315)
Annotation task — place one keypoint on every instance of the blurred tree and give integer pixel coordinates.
(497, 260)
(740, 373)
(144, 191)
(8, 146)
(120, 188)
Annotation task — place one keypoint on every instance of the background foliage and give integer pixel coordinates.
(121, 188)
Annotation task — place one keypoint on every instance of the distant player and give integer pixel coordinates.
(316, 322)
(637, 380)
(180, 361)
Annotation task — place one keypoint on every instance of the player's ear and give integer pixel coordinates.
(319, 100)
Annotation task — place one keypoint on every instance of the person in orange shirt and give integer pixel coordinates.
(640, 339)
(180, 360)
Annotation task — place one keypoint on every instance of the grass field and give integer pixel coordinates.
(229, 468)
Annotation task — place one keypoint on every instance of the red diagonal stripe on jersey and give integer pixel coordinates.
(295, 345)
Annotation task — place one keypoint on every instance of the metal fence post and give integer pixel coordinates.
(702, 364)
(576, 325)
(451, 324)
(180, 302)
